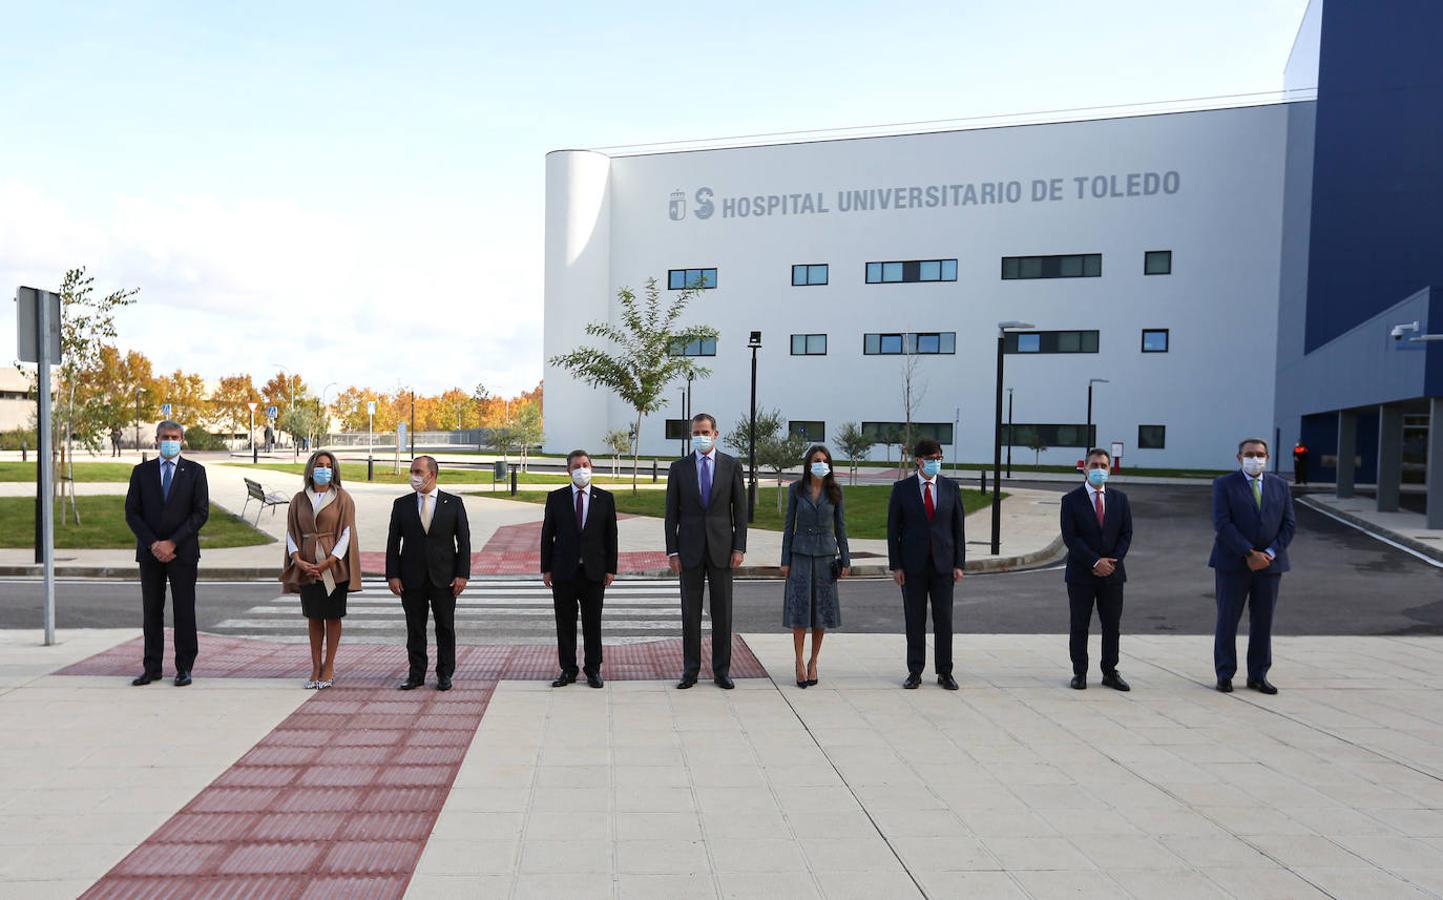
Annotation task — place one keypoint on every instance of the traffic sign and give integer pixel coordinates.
(165, 409)
(272, 412)
(27, 314)
(253, 406)
(370, 407)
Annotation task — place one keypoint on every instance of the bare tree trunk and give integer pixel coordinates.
(635, 451)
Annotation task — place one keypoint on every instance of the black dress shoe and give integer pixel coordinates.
(145, 678)
(1079, 682)
(913, 682)
(443, 684)
(1225, 685)
(687, 681)
(411, 683)
(593, 679)
(564, 679)
(182, 679)
(1114, 681)
(947, 681)
(1262, 686)
(724, 682)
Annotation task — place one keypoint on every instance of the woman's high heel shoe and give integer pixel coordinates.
(811, 681)
(802, 682)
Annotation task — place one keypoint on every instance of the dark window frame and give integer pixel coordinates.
(1145, 445)
(808, 267)
(1050, 266)
(1054, 441)
(805, 351)
(911, 271)
(1048, 342)
(686, 283)
(1146, 254)
(1166, 339)
(941, 432)
(701, 348)
(910, 342)
(821, 426)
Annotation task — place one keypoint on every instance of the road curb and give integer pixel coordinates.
(1373, 528)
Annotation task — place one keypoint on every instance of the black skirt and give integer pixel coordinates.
(316, 605)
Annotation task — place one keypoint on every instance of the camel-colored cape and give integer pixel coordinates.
(316, 535)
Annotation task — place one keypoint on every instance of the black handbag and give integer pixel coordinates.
(836, 568)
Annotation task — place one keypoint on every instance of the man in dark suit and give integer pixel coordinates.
(1253, 518)
(926, 551)
(428, 561)
(166, 505)
(578, 563)
(1097, 529)
(706, 538)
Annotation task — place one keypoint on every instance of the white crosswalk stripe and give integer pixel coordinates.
(490, 611)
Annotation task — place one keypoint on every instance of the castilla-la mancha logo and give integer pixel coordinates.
(676, 209)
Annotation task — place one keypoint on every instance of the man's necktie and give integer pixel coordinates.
(927, 500)
(1097, 506)
(705, 482)
(1257, 491)
(426, 513)
(165, 472)
(580, 511)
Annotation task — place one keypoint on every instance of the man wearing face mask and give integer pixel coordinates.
(1097, 529)
(166, 505)
(706, 538)
(1253, 518)
(926, 551)
(428, 562)
(578, 563)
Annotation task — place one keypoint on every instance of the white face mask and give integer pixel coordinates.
(1254, 465)
(581, 477)
(418, 482)
(703, 442)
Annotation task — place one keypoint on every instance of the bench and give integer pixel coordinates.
(255, 492)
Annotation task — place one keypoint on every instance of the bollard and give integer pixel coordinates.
(513, 480)
(144, 457)
(984, 481)
(653, 471)
(24, 453)
(370, 468)
(255, 454)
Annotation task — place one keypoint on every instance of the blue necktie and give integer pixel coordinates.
(165, 479)
(705, 482)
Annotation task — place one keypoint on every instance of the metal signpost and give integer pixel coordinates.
(165, 410)
(38, 321)
(370, 438)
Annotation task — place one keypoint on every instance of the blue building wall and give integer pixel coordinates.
(1377, 186)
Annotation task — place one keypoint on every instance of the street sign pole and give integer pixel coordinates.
(42, 309)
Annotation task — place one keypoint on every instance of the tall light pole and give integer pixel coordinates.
(325, 422)
(1002, 329)
(755, 344)
(1010, 437)
(1088, 435)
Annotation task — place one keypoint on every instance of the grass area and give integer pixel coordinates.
(356, 472)
(866, 506)
(102, 526)
(84, 471)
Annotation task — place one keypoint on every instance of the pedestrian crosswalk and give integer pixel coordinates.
(490, 610)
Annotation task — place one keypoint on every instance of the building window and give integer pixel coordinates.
(809, 345)
(904, 271)
(1050, 342)
(706, 347)
(813, 431)
(895, 432)
(928, 342)
(1154, 340)
(1151, 437)
(807, 275)
(1049, 435)
(1157, 262)
(1071, 265)
(678, 429)
(681, 279)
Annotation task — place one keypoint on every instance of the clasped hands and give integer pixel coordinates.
(163, 551)
(314, 570)
(1104, 567)
(1258, 560)
(674, 561)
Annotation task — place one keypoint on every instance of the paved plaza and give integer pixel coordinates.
(1015, 786)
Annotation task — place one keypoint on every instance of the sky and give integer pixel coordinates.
(355, 191)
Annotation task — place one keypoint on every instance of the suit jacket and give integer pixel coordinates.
(1242, 527)
(712, 532)
(1087, 541)
(591, 550)
(152, 516)
(814, 528)
(911, 539)
(415, 555)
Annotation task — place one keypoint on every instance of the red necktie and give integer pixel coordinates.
(1097, 505)
(580, 512)
(927, 500)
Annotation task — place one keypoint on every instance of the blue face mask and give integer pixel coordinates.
(820, 469)
(170, 449)
(930, 467)
(703, 442)
(321, 476)
(1097, 477)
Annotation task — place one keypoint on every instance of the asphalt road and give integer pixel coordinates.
(1343, 583)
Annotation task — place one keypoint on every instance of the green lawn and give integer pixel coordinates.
(102, 526)
(866, 506)
(356, 472)
(84, 471)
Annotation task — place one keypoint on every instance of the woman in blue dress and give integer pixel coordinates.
(814, 554)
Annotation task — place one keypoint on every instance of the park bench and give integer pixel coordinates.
(255, 492)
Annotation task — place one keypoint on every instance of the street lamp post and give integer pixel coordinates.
(1011, 438)
(1002, 329)
(1087, 437)
(137, 419)
(682, 441)
(324, 426)
(755, 343)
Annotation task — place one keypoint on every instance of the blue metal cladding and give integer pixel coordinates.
(1377, 212)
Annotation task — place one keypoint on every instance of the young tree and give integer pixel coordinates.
(645, 358)
(853, 443)
(769, 425)
(779, 452)
(914, 390)
(529, 431)
(618, 441)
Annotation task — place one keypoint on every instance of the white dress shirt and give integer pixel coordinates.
(585, 493)
(420, 507)
(1093, 493)
(923, 481)
(319, 501)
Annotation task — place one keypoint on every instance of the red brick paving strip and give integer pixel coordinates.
(339, 799)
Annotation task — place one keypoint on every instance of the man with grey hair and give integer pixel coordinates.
(166, 505)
